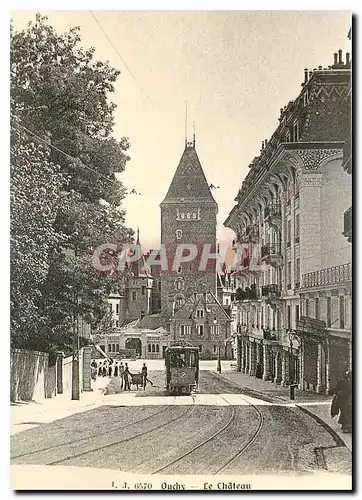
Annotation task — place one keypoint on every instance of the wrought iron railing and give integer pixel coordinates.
(270, 249)
(273, 210)
(247, 294)
(272, 334)
(272, 290)
(329, 276)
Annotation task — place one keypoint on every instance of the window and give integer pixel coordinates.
(289, 232)
(153, 348)
(194, 215)
(117, 347)
(215, 329)
(110, 307)
(215, 349)
(341, 312)
(117, 324)
(149, 348)
(296, 315)
(188, 216)
(200, 348)
(157, 348)
(117, 308)
(306, 312)
(289, 277)
(297, 228)
(178, 234)
(182, 215)
(179, 284)
(200, 313)
(289, 317)
(297, 273)
(134, 295)
(329, 312)
(296, 131)
(183, 329)
(316, 308)
(200, 330)
(143, 290)
(109, 347)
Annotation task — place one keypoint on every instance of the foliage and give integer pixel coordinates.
(60, 97)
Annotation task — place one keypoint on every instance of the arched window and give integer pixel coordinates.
(188, 215)
(149, 348)
(153, 347)
(117, 347)
(194, 215)
(182, 215)
(157, 348)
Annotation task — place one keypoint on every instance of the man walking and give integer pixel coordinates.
(126, 377)
(144, 376)
(120, 373)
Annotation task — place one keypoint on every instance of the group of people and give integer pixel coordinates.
(342, 402)
(114, 368)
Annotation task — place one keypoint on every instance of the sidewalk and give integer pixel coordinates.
(25, 415)
(317, 405)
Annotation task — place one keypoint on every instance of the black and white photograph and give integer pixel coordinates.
(181, 250)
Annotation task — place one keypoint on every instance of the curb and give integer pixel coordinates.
(256, 394)
(338, 440)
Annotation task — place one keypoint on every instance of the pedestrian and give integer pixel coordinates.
(110, 368)
(115, 373)
(144, 376)
(126, 378)
(94, 369)
(343, 401)
(121, 372)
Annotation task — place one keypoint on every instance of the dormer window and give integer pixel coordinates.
(295, 131)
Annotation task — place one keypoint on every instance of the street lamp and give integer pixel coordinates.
(218, 366)
(292, 385)
(75, 358)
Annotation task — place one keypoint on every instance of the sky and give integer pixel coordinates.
(235, 69)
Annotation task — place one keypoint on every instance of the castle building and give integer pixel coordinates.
(294, 296)
(188, 217)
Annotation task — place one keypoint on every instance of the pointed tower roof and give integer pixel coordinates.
(189, 183)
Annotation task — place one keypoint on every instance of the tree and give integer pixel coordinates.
(60, 101)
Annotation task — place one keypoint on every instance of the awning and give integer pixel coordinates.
(311, 326)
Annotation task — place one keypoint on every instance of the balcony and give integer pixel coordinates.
(329, 276)
(270, 291)
(271, 254)
(272, 335)
(247, 294)
(347, 225)
(273, 214)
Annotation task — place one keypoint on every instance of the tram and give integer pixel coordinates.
(182, 368)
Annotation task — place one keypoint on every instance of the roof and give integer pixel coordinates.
(189, 183)
(152, 322)
(192, 303)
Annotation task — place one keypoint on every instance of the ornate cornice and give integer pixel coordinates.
(313, 158)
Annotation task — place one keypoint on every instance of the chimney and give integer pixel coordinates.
(266, 142)
(305, 75)
(281, 111)
(320, 68)
(310, 73)
(335, 59)
(262, 145)
(348, 58)
(340, 57)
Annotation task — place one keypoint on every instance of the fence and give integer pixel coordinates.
(32, 379)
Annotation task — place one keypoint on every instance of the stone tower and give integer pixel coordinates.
(188, 216)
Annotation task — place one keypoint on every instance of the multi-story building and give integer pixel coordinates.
(294, 310)
(188, 217)
(203, 322)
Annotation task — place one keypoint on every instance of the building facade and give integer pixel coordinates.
(203, 322)
(188, 217)
(295, 272)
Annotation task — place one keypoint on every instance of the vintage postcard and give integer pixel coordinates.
(181, 250)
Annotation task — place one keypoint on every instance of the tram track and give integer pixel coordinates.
(128, 439)
(86, 438)
(216, 435)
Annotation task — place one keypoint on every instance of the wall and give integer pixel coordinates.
(336, 197)
(27, 375)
